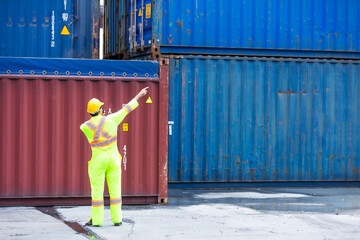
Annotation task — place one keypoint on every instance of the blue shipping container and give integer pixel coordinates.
(58, 28)
(237, 119)
(236, 27)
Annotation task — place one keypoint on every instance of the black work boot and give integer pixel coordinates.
(118, 224)
(89, 224)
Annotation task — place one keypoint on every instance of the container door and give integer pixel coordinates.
(263, 119)
(140, 29)
(132, 27)
(115, 28)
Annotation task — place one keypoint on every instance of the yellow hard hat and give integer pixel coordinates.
(94, 105)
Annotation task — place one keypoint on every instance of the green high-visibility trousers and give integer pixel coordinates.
(109, 166)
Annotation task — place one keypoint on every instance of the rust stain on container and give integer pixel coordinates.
(290, 92)
(179, 23)
(298, 41)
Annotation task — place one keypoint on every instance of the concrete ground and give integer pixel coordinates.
(206, 214)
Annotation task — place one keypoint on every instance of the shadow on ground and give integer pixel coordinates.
(293, 200)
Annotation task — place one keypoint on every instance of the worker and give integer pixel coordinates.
(101, 133)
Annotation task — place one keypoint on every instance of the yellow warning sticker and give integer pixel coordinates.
(65, 31)
(148, 10)
(140, 12)
(149, 100)
(125, 127)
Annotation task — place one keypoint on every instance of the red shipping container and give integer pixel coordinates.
(44, 154)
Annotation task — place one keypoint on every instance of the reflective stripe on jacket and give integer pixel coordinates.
(101, 132)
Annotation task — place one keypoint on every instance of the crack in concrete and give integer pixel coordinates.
(19, 235)
(132, 225)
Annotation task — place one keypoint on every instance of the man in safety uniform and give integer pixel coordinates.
(101, 133)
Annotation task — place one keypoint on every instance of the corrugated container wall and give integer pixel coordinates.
(263, 119)
(114, 28)
(44, 154)
(37, 28)
(186, 26)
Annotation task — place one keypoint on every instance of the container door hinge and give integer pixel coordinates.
(164, 61)
(155, 49)
(162, 200)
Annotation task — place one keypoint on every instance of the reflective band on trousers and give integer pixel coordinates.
(115, 201)
(128, 108)
(90, 125)
(101, 124)
(104, 143)
(98, 203)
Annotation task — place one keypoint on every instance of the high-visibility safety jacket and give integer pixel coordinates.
(101, 133)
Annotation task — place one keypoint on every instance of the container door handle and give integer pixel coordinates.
(141, 26)
(132, 28)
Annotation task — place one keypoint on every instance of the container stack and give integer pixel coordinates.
(244, 92)
(259, 91)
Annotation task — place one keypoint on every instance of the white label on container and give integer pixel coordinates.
(170, 127)
(124, 158)
(65, 2)
(65, 16)
(53, 29)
